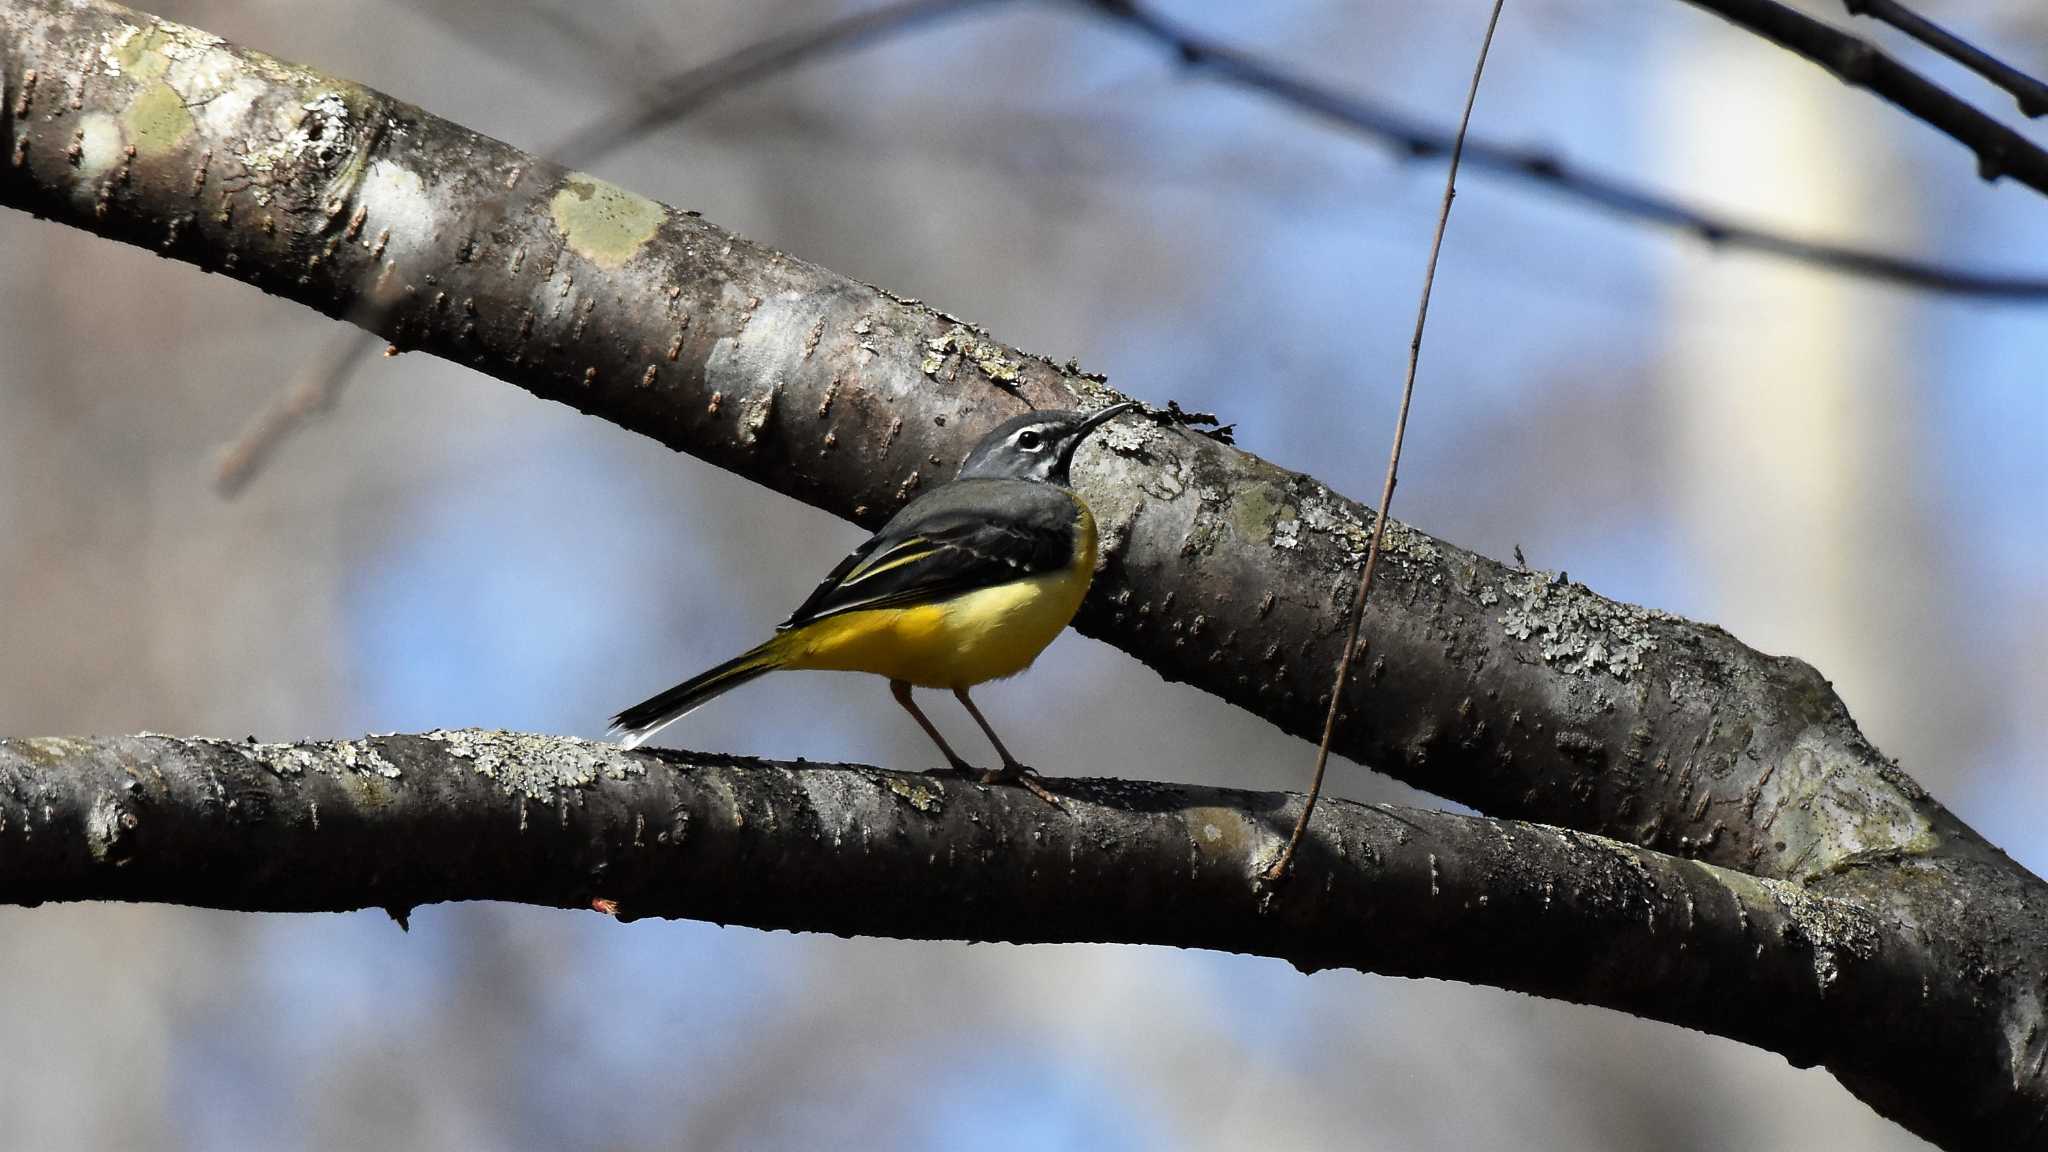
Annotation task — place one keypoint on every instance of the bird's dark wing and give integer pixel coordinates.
(969, 534)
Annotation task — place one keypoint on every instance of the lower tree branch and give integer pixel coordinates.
(397, 821)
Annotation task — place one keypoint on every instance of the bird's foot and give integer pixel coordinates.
(1014, 773)
(960, 768)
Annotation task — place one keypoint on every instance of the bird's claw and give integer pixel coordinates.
(1028, 777)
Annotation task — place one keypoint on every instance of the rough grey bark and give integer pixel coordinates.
(398, 821)
(1517, 692)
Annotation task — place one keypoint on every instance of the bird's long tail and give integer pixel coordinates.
(639, 723)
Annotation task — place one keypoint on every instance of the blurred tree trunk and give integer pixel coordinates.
(1781, 407)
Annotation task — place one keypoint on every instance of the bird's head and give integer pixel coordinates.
(1037, 445)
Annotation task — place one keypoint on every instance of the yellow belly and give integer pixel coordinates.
(979, 636)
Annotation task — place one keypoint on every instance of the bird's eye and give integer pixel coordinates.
(1029, 440)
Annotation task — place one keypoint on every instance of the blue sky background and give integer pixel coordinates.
(446, 551)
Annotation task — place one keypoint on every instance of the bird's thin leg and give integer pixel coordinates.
(901, 690)
(1011, 769)
(1010, 763)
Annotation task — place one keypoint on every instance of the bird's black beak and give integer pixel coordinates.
(1102, 416)
(1080, 431)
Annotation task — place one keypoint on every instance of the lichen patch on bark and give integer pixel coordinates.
(99, 149)
(1834, 936)
(972, 348)
(313, 135)
(1575, 629)
(537, 767)
(1830, 817)
(334, 758)
(156, 121)
(603, 222)
(397, 206)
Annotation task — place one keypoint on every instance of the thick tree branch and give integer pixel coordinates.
(1517, 692)
(398, 821)
(658, 104)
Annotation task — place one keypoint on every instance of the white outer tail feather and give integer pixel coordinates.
(631, 738)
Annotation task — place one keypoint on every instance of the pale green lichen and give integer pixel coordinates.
(333, 757)
(983, 354)
(1333, 518)
(917, 793)
(1129, 438)
(54, 751)
(140, 54)
(1223, 833)
(603, 222)
(1318, 512)
(1575, 629)
(1256, 512)
(1408, 544)
(537, 767)
(156, 121)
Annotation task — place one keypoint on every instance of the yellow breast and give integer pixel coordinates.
(974, 637)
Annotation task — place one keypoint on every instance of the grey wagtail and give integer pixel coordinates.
(968, 583)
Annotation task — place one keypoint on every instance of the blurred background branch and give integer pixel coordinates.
(1560, 175)
(1999, 150)
(2031, 94)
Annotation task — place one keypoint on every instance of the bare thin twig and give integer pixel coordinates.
(1379, 524)
(631, 34)
(684, 93)
(2031, 94)
(320, 381)
(1420, 140)
(1857, 62)
(311, 392)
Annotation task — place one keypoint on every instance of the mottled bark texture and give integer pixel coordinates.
(1516, 692)
(398, 821)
